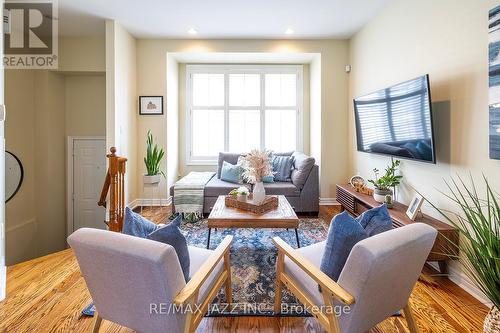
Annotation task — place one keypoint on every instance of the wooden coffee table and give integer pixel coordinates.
(228, 217)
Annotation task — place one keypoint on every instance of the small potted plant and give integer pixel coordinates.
(241, 193)
(383, 185)
(153, 158)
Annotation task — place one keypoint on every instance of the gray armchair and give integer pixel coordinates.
(375, 283)
(136, 282)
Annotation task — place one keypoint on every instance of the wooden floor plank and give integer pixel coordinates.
(48, 293)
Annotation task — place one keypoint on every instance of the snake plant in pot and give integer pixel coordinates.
(478, 222)
(153, 158)
(383, 185)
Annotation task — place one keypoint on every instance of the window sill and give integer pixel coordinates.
(202, 163)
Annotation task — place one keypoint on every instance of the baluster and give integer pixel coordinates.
(114, 184)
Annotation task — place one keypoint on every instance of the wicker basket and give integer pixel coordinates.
(269, 203)
(492, 321)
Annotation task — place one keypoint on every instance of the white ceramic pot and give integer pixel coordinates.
(379, 195)
(151, 180)
(241, 197)
(259, 193)
(492, 321)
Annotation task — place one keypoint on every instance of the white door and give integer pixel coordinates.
(89, 170)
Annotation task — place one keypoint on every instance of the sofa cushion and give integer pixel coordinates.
(282, 188)
(216, 187)
(231, 173)
(287, 153)
(227, 157)
(268, 179)
(303, 166)
(282, 167)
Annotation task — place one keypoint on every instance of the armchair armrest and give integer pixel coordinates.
(193, 286)
(326, 283)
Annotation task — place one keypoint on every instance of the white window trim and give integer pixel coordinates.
(231, 69)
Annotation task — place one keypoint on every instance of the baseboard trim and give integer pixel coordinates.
(461, 280)
(150, 202)
(328, 201)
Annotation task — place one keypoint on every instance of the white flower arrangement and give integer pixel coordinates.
(256, 166)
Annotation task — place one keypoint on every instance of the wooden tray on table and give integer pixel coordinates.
(269, 203)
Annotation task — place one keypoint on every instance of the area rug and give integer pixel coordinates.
(253, 264)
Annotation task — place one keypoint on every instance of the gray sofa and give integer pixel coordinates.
(302, 192)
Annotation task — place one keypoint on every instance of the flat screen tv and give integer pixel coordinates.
(397, 121)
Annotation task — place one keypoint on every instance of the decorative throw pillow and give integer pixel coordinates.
(136, 225)
(282, 167)
(375, 220)
(171, 235)
(231, 173)
(303, 165)
(343, 234)
(268, 179)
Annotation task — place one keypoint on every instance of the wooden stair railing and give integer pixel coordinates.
(114, 185)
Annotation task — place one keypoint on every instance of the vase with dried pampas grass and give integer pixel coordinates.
(256, 165)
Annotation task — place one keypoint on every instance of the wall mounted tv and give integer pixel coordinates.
(397, 121)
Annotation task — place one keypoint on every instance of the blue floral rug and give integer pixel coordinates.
(253, 263)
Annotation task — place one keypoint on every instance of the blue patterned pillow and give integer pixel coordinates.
(231, 173)
(171, 235)
(136, 225)
(282, 167)
(375, 220)
(343, 234)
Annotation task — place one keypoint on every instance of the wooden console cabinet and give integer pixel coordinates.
(356, 203)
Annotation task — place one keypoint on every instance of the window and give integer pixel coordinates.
(237, 108)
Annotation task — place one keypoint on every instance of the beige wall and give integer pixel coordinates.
(449, 41)
(121, 100)
(44, 108)
(82, 54)
(20, 212)
(50, 188)
(152, 80)
(85, 104)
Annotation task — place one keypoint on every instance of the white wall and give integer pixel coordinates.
(447, 39)
(172, 148)
(121, 101)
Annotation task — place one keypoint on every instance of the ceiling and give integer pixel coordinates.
(219, 18)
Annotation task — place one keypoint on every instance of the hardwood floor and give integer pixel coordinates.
(327, 212)
(47, 294)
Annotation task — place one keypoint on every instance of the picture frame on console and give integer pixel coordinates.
(414, 206)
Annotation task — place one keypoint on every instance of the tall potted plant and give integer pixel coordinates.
(383, 185)
(153, 158)
(478, 222)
